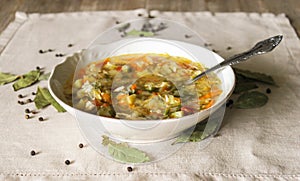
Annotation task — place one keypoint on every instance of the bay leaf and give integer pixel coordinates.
(106, 140)
(44, 76)
(40, 101)
(7, 78)
(184, 138)
(199, 133)
(123, 153)
(260, 77)
(196, 136)
(242, 87)
(211, 127)
(140, 33)
(252, 99)
(242, 79)
(27, 80)
(43, 98)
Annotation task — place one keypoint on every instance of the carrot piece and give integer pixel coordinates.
(133, 87)
(106, 61)
(206, 96)
(106, 97)
(211, 94)
(97, 102)
(209, 104)
(100, 64)
(119, 68)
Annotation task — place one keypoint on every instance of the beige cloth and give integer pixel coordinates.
(256, 144)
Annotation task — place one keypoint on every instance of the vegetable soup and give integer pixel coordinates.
(143, 86)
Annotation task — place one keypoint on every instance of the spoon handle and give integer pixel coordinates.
(258, 49)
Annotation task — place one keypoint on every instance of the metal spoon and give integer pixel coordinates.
(259, 48)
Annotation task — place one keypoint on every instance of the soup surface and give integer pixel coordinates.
(142, 86)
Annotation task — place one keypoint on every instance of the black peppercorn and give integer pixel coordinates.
(27, 116)
(140, 14)
(33, 93)
(70, 45)
(187, 36)
(28, 100)
(80, 145)
(59, 55)
(150, 16)
(268, 91)
(41, 51)
(229, 103)
(21, 102)
(67, 162)
(32, 153)
(41, 119)
(229, 48)
(27, 111)
(50, 50)
(20, 96)
(38, 68)
(129, 169)
(214, 50)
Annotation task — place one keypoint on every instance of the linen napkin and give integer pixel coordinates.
(253, 144)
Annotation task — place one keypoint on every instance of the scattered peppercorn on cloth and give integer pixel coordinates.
(252, 144)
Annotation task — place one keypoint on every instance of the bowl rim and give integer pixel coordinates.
(212, 108)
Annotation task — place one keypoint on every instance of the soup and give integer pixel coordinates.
(143, 86)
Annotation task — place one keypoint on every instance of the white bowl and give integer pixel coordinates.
(93, 126)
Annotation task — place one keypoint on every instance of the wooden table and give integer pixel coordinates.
(290, 7)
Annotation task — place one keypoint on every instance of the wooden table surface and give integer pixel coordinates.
(290, 7)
